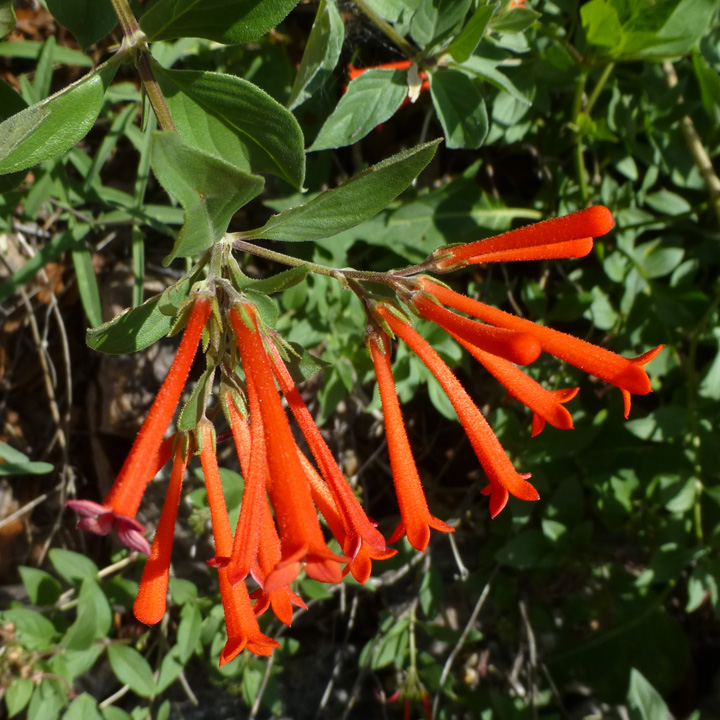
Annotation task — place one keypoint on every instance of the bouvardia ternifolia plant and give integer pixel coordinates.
(218, 136)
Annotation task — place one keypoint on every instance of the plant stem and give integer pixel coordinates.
(387, 29)
(136, 43)
(595, 94)
(128, 23)
(579, 160)
(386, 278)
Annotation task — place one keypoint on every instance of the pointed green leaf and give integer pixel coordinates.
(210, 190)
(235, 120)
(139, 327)
(88, 20)
(436, 19)
(51, 127)
(276, 283)
(322, 52)
(83, 707)
(17, 463)
(10, 103)
(460, 108)
(515, 20)
(371, 99)
(72, 566)
(225, 21)
(7, 17)
(42, 588)
(645, 699)
(709, 82)
(18, 695)
(132, 669)
(463, 46)
(351, 203)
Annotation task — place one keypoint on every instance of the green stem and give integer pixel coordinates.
(387, 29)
(579, 160)
(136, 43)
(128, 23)
(386, 278)
(595, 94)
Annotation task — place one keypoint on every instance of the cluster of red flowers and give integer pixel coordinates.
(278, 530)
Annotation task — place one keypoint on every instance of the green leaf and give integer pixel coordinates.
(515, 21)
(17, 463)
(211, 191)
(51, 127)
(463, 46)
(601, 23)
(72, 566)
(281, 281)
(31, 49)
(7, 17)
(10, 103)
(139, 327)
(435, 19)
(132, 669)
(188, 634)
(81, 634)
(234, 120)
(111, 712)
(225, 21)
(18, 695)
(182, 591)
(194, 409)
(460, 108)
(88, 20)
(644, 700)
(709, 81)
(371, 99)
(170, 667)
(85, 275)
(356, 200)
(42, 588)
(34, 630)
(47, 700)
(83, 707)
(322, 52)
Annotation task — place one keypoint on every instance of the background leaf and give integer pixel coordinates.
(234, 120)
(371, 98)
(225, 21)
(460, 109)
(322, 52)
(132, 669)
(88, 20)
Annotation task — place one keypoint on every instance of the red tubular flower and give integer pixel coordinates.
(518, 347)
(361, 564)
(566, 236)
(283, 598)
(502, 475)
(416, 518)
(357, 526)
(122, 502)
(240, 621)
(627, 374)
(150, 602)
(247, 533)
(300, 531)
(545, 404)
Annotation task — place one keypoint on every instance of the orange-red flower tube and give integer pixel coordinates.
(502, 475)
